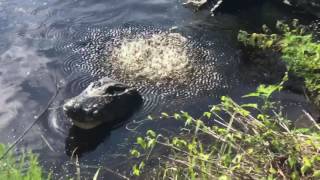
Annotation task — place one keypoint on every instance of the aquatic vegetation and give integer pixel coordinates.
(299, 50)
(22, 167)
(233, 141)
(159, 58)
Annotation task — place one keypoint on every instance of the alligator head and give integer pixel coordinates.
(103, 101)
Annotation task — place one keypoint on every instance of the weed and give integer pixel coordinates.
(22, 167)
(246, 142)
(298, 48)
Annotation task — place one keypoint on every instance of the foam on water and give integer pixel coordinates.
(161, 58)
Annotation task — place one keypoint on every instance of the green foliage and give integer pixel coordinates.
(264, 92)
(241, 144)
(22, 167)
(299, 50)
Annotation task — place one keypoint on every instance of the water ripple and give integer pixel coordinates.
(90, 49)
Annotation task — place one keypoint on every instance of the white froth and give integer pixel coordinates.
(160, 58)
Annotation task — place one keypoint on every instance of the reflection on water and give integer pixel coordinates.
(42, 42)
(18, 66)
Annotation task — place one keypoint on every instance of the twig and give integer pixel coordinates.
(311, 119)
(47, 142)
(102, 168)
(78, 168)
(73, 153)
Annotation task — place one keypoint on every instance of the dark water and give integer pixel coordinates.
(58, 42)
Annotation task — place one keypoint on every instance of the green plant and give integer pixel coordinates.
(22, 167)
(298, 48)
(245, 142)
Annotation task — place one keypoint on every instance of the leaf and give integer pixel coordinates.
(164, 114)
(150, 117)
(141, 142)
(250, 105)
(250, 151)
(135, 153)
(269, 43)
(316, 174)
(261, 117)
(294, 175)
(198, 125)
(214, 109)
(141, 165)
(188, 121)
(179, 142)
(302, 130)
(135, 170)
(224, 177)
(292, 161)
(187, 118)
(204, 156)
(207, 114)
(223, 98)
(151, 143)
(306, 165)
(151, 133)
(272, 170)
(254, 94)
(177, 116)
(244, 112)
(95, 177)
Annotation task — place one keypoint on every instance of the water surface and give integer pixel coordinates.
(44, 44)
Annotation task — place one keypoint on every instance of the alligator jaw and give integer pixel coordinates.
(86, 125)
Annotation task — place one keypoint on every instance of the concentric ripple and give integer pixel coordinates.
(91, 53)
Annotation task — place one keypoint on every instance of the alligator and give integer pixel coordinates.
(103, 101)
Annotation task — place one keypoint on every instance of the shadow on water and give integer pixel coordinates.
(80, 141)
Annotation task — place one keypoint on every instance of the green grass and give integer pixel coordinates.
(26, 167)
(298, 48)
(247, 141)
(22, 167)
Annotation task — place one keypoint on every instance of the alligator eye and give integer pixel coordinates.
(115, 89)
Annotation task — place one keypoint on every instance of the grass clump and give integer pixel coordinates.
(299, 50)
(160, 58)
(22, 167)
(246, 141)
